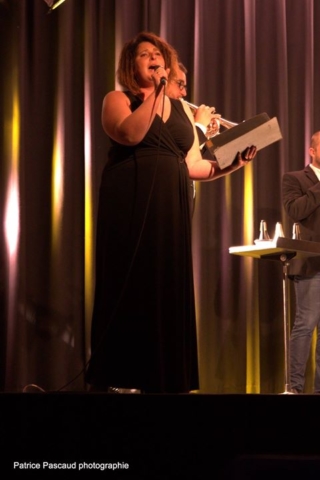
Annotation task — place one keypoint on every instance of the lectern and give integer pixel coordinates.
(283, 250)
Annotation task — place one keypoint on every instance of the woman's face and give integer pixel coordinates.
(147, 56)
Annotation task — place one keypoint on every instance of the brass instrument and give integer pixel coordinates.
(225, 123)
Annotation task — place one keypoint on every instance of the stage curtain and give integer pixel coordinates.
(245, 57)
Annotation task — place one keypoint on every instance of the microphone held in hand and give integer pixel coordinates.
(163, 80)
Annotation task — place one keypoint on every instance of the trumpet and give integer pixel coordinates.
(225, 123)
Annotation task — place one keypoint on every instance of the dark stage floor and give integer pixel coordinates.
(151, 436)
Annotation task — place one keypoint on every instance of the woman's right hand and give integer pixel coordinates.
(160, 76)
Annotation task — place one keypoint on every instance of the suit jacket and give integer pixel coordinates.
(301, 201)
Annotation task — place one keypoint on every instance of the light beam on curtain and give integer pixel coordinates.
(57, 185)
(308, 129)
(12, 217)
(57, 177)
(88, 213)
(309, 78)
(252, 298)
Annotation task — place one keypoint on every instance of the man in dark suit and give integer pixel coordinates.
(301, 201)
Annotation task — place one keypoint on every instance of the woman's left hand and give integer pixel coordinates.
(247, 155)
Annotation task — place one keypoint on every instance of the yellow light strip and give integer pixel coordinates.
(11, 223)
(12, 209)
(56, 4)
(88, 213)
(57, 179)
(252, 301)
(88, 225)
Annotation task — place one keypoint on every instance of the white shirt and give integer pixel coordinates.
(316, 170)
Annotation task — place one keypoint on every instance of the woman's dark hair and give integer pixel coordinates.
(126, 65)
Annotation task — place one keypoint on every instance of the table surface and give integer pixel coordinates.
(282, 245)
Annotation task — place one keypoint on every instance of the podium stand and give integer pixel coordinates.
(283, 250)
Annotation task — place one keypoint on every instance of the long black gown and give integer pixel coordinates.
(143, 327)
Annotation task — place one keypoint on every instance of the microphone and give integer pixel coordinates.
(163, 80)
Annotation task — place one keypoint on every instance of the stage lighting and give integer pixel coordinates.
(53, 4)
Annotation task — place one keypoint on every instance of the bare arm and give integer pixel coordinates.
(123, 125)
(207, 170)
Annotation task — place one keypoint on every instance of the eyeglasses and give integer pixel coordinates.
(181, 84)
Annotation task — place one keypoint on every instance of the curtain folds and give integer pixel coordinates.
(244, 57)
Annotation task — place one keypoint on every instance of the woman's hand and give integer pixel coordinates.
(247, 155)
(160, 76)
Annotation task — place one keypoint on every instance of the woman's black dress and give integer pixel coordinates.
(143, 326)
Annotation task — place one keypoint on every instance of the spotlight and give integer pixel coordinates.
(53, 4)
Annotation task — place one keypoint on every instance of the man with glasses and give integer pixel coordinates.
(204, 116)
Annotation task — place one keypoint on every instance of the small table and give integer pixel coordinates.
(282, 249)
